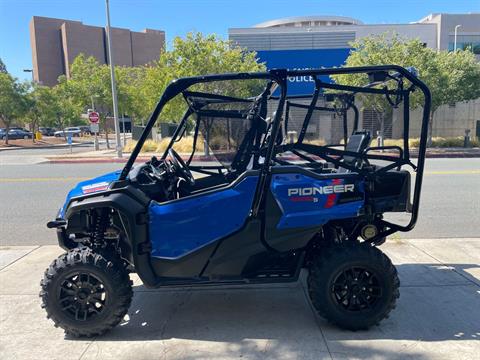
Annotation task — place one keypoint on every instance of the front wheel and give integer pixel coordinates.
(86, 293)
(353, 285)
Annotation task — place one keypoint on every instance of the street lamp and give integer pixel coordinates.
(455, 38)
(114, 88)
(30, 71)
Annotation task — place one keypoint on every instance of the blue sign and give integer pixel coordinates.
(69, 139)
(303, 60)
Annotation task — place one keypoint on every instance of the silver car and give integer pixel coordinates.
(73, 131)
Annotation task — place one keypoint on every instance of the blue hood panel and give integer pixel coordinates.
(86, 187)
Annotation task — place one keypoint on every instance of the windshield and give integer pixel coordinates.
(219, 120)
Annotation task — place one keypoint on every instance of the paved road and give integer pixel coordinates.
(31, 194)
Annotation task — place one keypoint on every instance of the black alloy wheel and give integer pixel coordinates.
(353, 285)
(356, 289)
(82, 296)
(86, 293)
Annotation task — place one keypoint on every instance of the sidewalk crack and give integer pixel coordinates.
(21, 257)
(88, 347)
(445, 264)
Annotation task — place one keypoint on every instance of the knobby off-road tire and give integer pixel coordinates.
(86, 293)
(353, 285)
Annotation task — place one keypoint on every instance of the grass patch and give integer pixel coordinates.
(318, 142)
(185, 145)
(437, 142)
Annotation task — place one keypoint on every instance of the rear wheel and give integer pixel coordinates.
(86, 293)
(353, 286)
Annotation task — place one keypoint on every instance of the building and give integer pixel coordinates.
(468, 31)
(316, 41)
(56, 42)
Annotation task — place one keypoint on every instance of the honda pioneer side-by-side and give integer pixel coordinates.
(284, 181)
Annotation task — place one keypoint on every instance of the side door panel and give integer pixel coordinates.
(182, 227)
(302, 201)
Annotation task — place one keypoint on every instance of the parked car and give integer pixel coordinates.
(16, 134)
(85, 130)
(46, 131)
(18, 128)
(73, 131)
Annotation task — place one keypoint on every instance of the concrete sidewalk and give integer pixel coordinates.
(437, 317)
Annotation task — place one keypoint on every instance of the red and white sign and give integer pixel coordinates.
(94, 117)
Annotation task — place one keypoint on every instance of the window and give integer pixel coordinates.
(374, 120)
(465, 42)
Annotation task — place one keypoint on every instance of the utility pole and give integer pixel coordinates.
(114, 87)
(455, 38)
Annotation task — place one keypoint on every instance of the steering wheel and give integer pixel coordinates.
(181, 167)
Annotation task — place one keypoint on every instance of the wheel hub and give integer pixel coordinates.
(356, 289)
(82, 296)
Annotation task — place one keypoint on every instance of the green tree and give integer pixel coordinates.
(451, 77)
(196, 54)
(42, 107)
(12, 101)
(64, 106)
(3, 68)
(91, 84)
(139, 88)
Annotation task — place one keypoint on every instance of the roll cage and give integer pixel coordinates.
(270, 145)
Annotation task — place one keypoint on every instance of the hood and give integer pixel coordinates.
(100, 183)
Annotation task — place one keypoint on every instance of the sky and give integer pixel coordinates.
(178, 17)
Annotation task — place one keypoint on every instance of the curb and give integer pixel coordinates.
(450, 155)
(99, 160)
(58, 146)
(92, 160)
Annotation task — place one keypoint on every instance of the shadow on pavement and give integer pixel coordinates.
(437, 303)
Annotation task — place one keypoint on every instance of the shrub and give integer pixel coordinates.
(318, 142)
(437, 142)
(182, 146)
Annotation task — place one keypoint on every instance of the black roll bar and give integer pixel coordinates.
(280, 77)
(310, 109)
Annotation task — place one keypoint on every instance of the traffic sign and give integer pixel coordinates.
(94, 128)
(94, 117)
